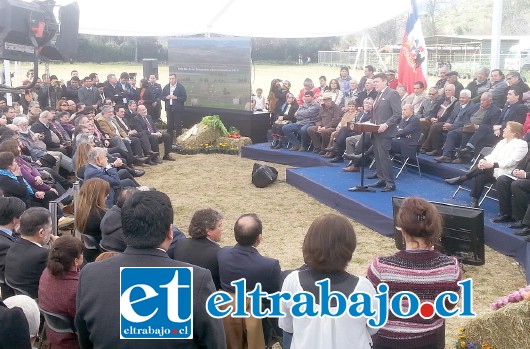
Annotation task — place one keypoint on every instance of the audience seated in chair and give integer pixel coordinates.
(349, 116)
(27, 257)
(503, 159)
(58, 287)
(10, 211)
(307, 115)
(485, 135)
(244, 261)
(327, 249)
(285, 116)
(90, 211)
(329, 117)
(201, 248)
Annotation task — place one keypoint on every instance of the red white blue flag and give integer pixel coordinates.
(413, 55)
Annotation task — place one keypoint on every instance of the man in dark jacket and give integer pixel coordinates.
(174, 96)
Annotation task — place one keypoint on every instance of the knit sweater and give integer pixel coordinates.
(425, 273)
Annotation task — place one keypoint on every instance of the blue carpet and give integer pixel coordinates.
(329, 184)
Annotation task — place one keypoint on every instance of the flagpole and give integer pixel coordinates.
(496, 24)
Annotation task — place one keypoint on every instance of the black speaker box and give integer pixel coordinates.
(150, 67)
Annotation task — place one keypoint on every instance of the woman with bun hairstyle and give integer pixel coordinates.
(419, 269)
(58, 287)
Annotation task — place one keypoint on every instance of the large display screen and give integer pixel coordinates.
(214, 71)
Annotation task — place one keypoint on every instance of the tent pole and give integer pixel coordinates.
(496, 34)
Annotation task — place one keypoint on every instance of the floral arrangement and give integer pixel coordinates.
(214, 122)
(206, 148)
(463, 342)
(514, 297)
(233, 133)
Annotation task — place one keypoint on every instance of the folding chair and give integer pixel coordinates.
(406, 155)
(18, 291)
(489, 187)
(91, 243)
(57, 322)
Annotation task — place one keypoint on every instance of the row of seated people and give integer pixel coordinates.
(48, 267)
(331, 134)
(52, 92)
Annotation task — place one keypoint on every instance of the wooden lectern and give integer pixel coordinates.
(363, 128)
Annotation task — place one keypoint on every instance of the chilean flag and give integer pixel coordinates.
(413, 55)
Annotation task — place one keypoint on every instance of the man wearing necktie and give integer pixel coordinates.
(514, 110)
(386, 113)
(144, 123)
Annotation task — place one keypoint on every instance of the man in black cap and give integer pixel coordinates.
(452, 78)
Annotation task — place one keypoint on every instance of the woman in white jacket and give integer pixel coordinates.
(502, 161)
(328, 248)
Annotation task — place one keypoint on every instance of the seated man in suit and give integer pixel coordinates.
(99, 167)
(244, 261)
(409, 130)
(144, 123)
(486, 114)
(112, 230)
(514, 196)
(138, 139)
(201, 249)
(117, 137)
(27, 257)
(52, 138)
(147, 218)
(460, 116)
(485, 135)
(11, 209)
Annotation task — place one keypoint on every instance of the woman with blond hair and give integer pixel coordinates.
(91, 209)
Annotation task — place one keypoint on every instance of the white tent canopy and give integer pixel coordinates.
(272, 18)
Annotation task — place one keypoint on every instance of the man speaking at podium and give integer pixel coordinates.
(386, 114)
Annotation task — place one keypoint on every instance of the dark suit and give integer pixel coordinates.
(458, 118)
(98, 304)
(109, 175)
(246, 262)
(156, 90)
(116, 92)
(174, 108)
(88, 96)
(514, 195)
(200, 252)
(457, 136)
(14, 332)
(25, 262)
(6, 241)
(39, 127)
(387, 110)
(363, 95)
(140, 124)
(406, 140)
(484, 136)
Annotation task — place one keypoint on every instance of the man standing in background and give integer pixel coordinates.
(174, 95)
(155, 108)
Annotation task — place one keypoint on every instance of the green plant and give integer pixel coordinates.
(214, 122)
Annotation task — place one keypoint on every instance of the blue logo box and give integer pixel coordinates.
(156, 303)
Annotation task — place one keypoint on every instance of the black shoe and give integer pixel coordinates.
(337, 159)
(518, 225)
(389, 187)
(175, 148)
(502, 219)
(464, 152)
(474, 203)
(151, 162)
(523, 232)
(443, 158)
(380, 184)
(274, 143)
(168, 158)
(455, 180)
(352, 156)
(153, 153)
(138, 173)
(316, 150)
(372, 176)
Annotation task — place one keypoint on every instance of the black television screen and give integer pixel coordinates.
(463, 231)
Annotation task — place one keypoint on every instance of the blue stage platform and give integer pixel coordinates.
(329, 184)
